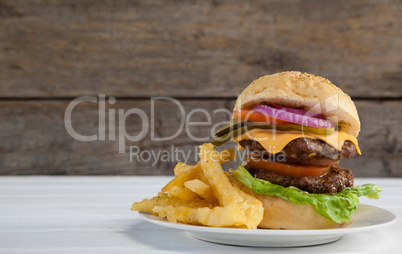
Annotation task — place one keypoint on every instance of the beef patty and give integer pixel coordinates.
(335, 180)
(304, 151)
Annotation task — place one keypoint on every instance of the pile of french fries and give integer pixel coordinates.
(203, 194)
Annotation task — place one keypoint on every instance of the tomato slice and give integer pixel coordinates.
(254, 116)
(285, 168)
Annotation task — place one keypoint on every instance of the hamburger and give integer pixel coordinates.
(295, 128)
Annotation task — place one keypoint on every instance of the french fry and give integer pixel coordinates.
(182, 193)
(148, 204)
(225, 156)
(226, 192)
(165, 200)
(252, 208)
(226, 216)
(217, 179)
(190, 174)
(186, 172)
(202, 189)
(202, 177)
(180, 168)
(197, 186)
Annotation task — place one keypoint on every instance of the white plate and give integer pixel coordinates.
(365, 218)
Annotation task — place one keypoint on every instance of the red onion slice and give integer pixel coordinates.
(303, 119)
(299, 112)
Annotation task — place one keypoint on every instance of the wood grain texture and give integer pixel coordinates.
(35, 141)
(195, 48)
(54, 51)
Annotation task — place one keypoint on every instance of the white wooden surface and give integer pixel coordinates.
(92, 215)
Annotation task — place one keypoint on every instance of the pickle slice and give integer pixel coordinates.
(307, 129)
(232, 125)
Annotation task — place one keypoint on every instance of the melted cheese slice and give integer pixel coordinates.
(275, 141)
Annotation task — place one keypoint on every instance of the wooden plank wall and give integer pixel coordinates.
(203, 53)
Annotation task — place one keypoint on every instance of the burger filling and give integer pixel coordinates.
(304, 151)
(292, 147)
(308, 164)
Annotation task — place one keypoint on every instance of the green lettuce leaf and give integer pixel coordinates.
(339, 207)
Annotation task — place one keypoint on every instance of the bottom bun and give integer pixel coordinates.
(281, 214)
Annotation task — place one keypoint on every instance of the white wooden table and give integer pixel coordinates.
(92, 215)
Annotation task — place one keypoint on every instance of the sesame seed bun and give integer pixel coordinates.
(306, 92)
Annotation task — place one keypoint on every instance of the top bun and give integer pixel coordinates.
(303, 91)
